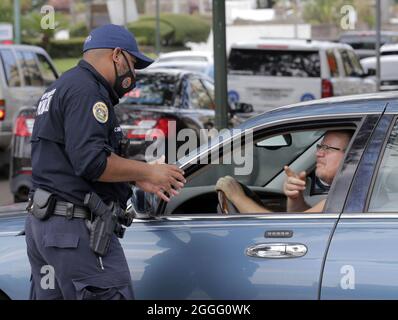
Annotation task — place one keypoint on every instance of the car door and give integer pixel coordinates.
(362, 258)
(13, 92)
(264, 256)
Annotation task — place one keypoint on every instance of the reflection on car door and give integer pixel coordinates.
(362, 259)
(270, 256)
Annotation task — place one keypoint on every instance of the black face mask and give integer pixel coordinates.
(125, 82)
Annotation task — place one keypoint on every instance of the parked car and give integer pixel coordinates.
(186, 250)
(197, 61)
(364, 42)
(388, 66)
(164, 95)
(269, 73)
(161, 95)
(25, 73)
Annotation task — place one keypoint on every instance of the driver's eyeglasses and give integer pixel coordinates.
(326, 148)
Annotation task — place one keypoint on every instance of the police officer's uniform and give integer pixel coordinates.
(75, 131)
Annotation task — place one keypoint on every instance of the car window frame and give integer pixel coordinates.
(394, 120)
(48, 61)
(21, 80)
(190, 78)
(282, 127)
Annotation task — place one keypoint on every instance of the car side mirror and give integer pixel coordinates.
(370, 73)
(141, 204)
(241, 107)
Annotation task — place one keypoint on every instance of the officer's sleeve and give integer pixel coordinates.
(86, 126)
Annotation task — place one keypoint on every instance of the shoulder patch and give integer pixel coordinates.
(100, 111)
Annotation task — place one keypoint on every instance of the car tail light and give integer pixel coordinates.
(327, 88)
(24, 126)
(2, 109)
(144, 126)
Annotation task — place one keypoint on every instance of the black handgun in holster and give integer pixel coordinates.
(108, 221)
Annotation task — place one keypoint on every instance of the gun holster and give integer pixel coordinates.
(43, 204)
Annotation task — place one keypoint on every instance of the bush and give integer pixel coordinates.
(79, 30)
(175, 29)
(66, 48)
(145, 31)
(72, 48)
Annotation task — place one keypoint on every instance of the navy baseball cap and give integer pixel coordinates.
(112, 36)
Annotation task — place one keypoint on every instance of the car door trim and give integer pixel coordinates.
(254, 217)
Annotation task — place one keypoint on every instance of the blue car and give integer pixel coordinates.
(185, 249)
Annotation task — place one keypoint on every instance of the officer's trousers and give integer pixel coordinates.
(64, 267)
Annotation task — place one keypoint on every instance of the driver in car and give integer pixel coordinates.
(329, 154)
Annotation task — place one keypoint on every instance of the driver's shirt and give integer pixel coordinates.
(75, 131)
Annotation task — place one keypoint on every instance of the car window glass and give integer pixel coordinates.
(30, 69)
(198, 96)
(384, 196)
(355, 63)
(10, 68)
(267, 162)
(274, 63)
(350, 68)
(333, 67)
(156, 89)
(46, 69)
(209, 87)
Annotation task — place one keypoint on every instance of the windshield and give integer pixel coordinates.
(153, 89)
(284, 63)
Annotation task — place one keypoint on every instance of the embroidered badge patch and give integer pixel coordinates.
(100, 111)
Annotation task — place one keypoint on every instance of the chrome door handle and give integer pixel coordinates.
(276, 250)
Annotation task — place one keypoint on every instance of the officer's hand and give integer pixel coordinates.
(231, 188)
(153, 188)
(164, 178)
(294, 184)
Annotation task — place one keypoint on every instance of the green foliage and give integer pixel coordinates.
(175, 29)
(7, 9)
(72, 48)
(145, 31)
(31, 24)
(324, 11)
(79, 30)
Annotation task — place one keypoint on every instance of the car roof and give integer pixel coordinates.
(187, 53)
(23, 47)
(289, 44)
(389, 47)
(355, 104)
(367, 33)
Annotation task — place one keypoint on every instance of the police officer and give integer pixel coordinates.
(75, 146)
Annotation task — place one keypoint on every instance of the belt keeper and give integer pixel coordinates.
(69, 210)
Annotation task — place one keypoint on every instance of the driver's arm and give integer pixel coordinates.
(234, 192)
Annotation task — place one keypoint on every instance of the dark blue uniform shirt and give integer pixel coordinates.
(74, 132)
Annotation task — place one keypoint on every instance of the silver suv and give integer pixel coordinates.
(25, 72)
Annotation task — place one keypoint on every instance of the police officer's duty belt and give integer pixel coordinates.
(70, 210)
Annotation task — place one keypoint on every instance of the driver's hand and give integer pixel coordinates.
(294, 184)
(231, 188)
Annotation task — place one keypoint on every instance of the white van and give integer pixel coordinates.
(270, 73)
(388, 66)
(25, 72)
